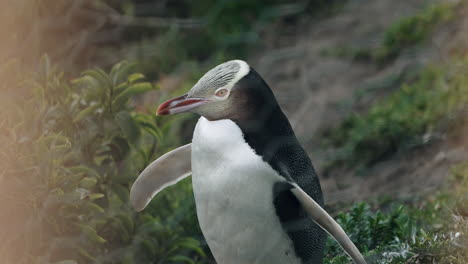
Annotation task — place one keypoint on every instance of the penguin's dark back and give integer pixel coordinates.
(271, 136)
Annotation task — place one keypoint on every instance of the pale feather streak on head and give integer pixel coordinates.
(327, 223)
(161, 173)
(225, 75)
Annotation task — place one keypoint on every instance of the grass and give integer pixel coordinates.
(457, 201)
(383, 237)
(412, 30)
(434, 230)
(404, 119)
(405, 33)
(431, 230)
(229, 28)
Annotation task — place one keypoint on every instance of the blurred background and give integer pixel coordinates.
(376, 91)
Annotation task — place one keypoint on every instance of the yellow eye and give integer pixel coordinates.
(221, 93)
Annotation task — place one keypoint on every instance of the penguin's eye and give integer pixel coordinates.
(221, 93)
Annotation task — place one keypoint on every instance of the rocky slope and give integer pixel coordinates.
(318, 91)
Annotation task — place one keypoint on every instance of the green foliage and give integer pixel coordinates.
(224, 27)
(459, 185)
(369, 230)
(373, 232)
(407, 32)
(232, 25)
(457, 202)
(401, 235)
(75, 150)
(434, 230)
(404, 119)
(412, 30)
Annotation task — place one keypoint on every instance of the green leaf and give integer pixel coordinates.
(113, 201)
(123, 231)
(119, 148)
(139, 88)
(192, 244)
(126, 173)
(92, 207)
(181, 259)
(100, 160)
(85, 80)
(88, 182)
(151, 225)
(148, 245)
(85, 112)
(95, 196)
(128, 126)
(127, 221)
(120, 71)
(86, 170)
(85, 254)
(121, 191)
(91, 233)
(134, 89)
(152, 129)
(120, 88)
(135, 77)
(100, 76)
(68, 261)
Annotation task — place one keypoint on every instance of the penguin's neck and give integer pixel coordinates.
(270, 135)
(264, 125)
(263, 121)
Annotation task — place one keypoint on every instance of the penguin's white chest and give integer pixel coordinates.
(233, 190)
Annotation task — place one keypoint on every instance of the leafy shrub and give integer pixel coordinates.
(433, 230)
(372, 232)
(71, 153)
(402, 235)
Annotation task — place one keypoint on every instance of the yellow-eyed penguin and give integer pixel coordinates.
(257, 196)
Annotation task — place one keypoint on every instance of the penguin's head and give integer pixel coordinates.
(224, 92)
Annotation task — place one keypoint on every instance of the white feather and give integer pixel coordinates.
(233, 189)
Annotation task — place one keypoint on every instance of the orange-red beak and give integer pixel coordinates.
(180, 104)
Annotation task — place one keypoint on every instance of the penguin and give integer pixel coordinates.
(257, 196)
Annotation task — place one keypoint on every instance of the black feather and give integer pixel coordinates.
(268, 131)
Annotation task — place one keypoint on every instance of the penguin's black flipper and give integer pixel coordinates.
(327, 223)
(161, 173)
